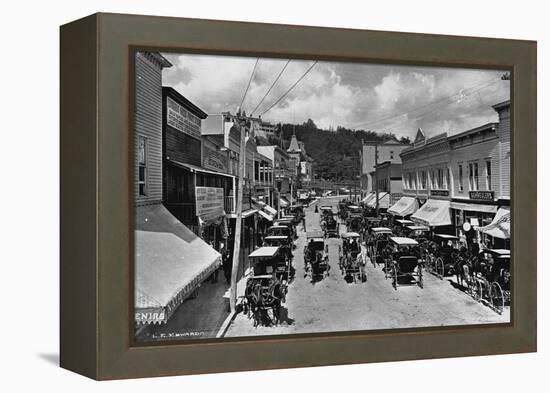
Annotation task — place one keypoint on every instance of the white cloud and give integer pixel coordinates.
(379, 97)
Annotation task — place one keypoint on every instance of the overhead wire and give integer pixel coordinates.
(249, 82)
(271, 87)
(290, 89)
(463, 92)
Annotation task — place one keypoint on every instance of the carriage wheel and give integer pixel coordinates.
(478, 291)
(497, 297)
(471, 285)
(440, 267)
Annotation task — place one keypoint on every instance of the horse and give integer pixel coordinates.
(260, 298)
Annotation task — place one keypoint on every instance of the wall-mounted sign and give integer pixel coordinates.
(466, 226)
(439, 192)
(150, 315)
(181, 119)
(482, 195)
(209, 203)
(213, 159)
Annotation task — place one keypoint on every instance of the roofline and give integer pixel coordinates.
(501, 105)
(160, 59)
(173, 93)
(483, 127)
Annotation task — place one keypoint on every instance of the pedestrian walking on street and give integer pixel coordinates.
(304, 222)
(227, 264)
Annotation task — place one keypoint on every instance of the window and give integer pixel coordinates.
(423, 180)
(435, 184)
(474, 176)
(488, 174)
(460, 178)
(447, 178)
(142, 158)
(440, 181)
(391, 155)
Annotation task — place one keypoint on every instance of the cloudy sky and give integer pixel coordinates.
(387, 98)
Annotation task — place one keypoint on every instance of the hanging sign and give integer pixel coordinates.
(209, 203)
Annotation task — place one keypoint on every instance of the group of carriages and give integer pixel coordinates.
(407, 250)
(272, 270)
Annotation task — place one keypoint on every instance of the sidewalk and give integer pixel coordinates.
(201, 317)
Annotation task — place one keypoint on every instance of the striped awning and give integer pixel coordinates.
(404, 207)
(170, 263)
(283, 202)
(433, 213)
(383, 200)
(500, 226)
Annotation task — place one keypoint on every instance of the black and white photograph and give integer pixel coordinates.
(279, 196)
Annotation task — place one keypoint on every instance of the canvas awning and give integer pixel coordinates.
(265, 209)
(170, 262)
(367, 198)
(383, 200)
(404, 207)
(474, 207)
(433, 213)
(283, 202)
(500, 226)
(265, 215)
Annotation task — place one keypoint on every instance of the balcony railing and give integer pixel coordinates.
(229, 204)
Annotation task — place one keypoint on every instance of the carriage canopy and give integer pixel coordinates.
(403, 241)
(264, 252)
(350, 235)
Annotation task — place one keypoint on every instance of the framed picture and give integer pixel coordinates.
(241, 196)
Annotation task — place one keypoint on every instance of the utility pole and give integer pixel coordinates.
(376, 176)
(238, 223)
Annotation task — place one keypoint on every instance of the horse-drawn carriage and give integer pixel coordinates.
(351, 259)
(420, 233)
(404, 262)
(297, 213)
(354, 222)
(285, 246)
(266, 289)
(289, 223)
(443, 255)
(282, 230)
(377, 241)
(489, 278)
(400, 226)
(331, 227)
(316, 261)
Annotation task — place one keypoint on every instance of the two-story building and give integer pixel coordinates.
(195, 194)
(162, 279)
(462, 181)
(390, 185)
(284, 174)
(387, 152)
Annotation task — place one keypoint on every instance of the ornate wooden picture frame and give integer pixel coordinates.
(97, 197)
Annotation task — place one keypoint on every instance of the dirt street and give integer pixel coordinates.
(334, 305)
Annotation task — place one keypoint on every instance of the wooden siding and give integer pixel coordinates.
(182, 147)
(504, 167)
(148, 123)
(474, 153)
